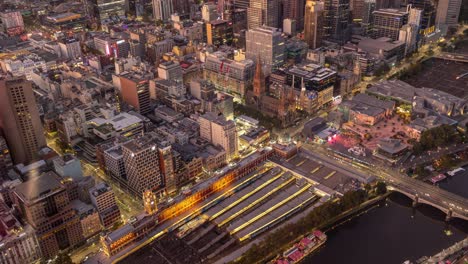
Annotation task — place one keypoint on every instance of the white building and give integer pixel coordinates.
(219, 131)
(68, 166)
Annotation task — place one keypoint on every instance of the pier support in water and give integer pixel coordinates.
(449, 215)
(416, 200)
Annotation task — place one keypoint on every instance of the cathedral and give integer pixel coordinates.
(279, 101)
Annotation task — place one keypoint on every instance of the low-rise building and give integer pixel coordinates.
(103, 198)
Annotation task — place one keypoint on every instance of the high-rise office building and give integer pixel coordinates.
(448, 12)
(388, 22)
(313, 26)
(294, 9)
(221, 132)
(135, 92)
(263, 13)
(268, 43)
(103, 198)
(20, 119)
(142, 165)
(44, 203)
(368, 15)
(219, 32)
(162, 9)
(337, 17)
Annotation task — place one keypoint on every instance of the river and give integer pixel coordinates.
(393, 232)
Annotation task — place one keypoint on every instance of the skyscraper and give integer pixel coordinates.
(313, 26)
(162, 9)
(263, 13)
(388, 22)
(337, 17)
(20, 119)
(268, 43)
(294, 9)
(368, 15)
(448, 12)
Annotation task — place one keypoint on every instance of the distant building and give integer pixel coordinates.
(419, 125)
(103, 198)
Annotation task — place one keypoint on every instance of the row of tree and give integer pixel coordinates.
(437, 137)
(275, 242)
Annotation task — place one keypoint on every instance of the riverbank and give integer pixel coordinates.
(390, 232)
(325, 215)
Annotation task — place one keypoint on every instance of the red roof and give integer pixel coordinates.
(306, 241)
(297, 255)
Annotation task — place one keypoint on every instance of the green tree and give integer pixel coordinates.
(63, 258)
(420, 170)
(381, 188)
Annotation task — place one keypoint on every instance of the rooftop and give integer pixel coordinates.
(118, 122)
(39, 187)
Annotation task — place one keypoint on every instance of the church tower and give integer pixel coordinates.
(259, 84)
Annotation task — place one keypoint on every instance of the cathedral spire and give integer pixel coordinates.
(259, 84)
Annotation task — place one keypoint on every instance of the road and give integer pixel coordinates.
(394, 178)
